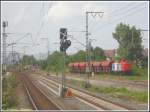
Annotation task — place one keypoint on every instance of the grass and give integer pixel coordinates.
(123, 93)
(120, 92)
(8, 87)
(75, 82)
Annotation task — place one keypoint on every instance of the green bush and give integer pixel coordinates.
(8, 98)
(8, 101)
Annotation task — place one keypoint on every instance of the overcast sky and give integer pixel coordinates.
(44, 19)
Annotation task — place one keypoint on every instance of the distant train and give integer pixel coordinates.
(101, 67)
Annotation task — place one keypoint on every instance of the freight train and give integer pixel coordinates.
(101, 67)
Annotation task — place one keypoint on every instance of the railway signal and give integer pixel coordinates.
(64, 45)
(63, 33)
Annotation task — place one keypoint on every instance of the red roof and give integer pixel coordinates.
(110, 53)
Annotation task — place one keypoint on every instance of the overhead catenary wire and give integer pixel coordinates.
(16, 42)
(43, 22)
(123, 10)
(116, 11)
(26, 34)
(112, 22)
(126, 11)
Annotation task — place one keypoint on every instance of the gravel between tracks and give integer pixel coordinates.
(40, 100)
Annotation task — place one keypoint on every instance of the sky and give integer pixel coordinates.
(35, 26)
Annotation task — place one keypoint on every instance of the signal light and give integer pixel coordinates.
(63, 33)
(64, 43)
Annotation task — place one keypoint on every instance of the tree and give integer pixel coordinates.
(98, 54)
(26, 60)
(130, 42)
(79, 56)
(42, 63)
(55, 62)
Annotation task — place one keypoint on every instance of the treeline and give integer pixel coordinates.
(54, 62)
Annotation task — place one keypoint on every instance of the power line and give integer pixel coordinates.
(42, 23)
(78, 41)
(127, 8)
(127, 11)
(23, 37)
(116, 11)
(103, 26)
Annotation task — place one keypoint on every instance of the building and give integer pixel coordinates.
(110, 54)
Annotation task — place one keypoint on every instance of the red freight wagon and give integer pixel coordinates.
(82, 67)
(96, 67)
(76, 67)
(106, 66)
(71, 66)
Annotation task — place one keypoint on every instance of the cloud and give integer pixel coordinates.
(66, 10)
(20, 15)
(59, 11)
(70, 15)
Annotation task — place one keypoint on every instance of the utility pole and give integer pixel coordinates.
(13, 58)
(24, 49)
(90, 47)
(88, 68)
(133, 46)
(144, 30)
(5, 24)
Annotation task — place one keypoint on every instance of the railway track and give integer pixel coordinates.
(54, 88)
(97, 102)
(37, 98)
